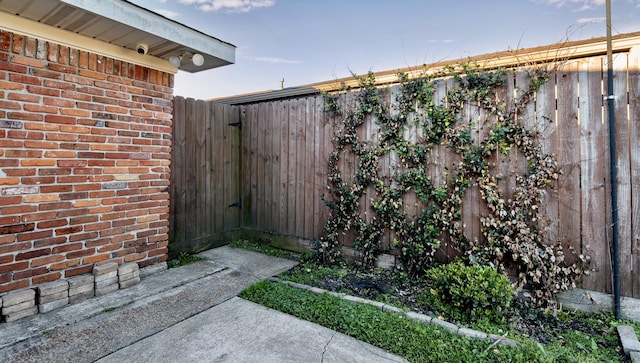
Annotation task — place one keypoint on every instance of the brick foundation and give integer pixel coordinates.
(85, 145)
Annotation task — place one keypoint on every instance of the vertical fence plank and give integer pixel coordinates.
(218, 167)
(569, 159)
(246, 132)
(178, 173)
(252, 124)
(283, 134)
(276, 155)
(319, 176)
(190, 142)
(634, 128)
(199, 127)
(294, 124)
(300, 167)
(231, 168)
(268, 156)
(545, 105)
(593, 166)
(623, 163)
(310, 165)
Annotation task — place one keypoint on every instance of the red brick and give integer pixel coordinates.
(10, 105)
(81, 253)
(11, 67)
(23, 97)
(6, 259)
(111, 232)
(78, 271)
(68, 230)
(124, 252)
(34, 217)
(63, 137)
(20, 172)
(34, 235)
(16, 285)
(146, 248)
(45, 91)
(33, 254)
(63, 68)
(97, 242)
(96, 258)
(47, 260)
(14, 266)
(25, 116)
(55, 206)
(110, 247)
(59, 154)
(38, 180)
(11, 85)
(84, 237)
(68, 247)
(135, 257)
(72, 179)
(52, 276)
(25, 274)
(50, 80)
(83, 220)
(10, 200)
(49, 242)
(124, 222)
(55, 171)
(97, 226)
(60, 119)
(73, 95)
(24, 79)
(38, 108)
(58, 102)
(7, 239)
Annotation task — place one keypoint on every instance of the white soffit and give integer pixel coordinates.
(120, 24)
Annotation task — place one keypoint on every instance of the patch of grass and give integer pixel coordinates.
(110, 309)
(307, 272)
(415, 341)
(263, 246)
(184, 258)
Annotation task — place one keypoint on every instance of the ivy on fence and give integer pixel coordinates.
(512, 233)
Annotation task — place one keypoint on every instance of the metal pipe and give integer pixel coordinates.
(612, 166)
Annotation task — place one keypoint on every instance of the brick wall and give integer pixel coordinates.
(85, 145)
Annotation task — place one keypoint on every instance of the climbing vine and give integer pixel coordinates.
(396, 151)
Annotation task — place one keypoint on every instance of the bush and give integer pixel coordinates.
(468, 293)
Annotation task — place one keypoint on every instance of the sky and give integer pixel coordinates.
(309, 41)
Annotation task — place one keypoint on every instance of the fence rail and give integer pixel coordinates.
(284, 145)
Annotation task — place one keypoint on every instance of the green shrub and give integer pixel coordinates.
(468, 293)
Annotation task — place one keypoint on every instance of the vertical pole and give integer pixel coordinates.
(612, 165)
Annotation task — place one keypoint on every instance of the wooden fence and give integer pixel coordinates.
(284, 147)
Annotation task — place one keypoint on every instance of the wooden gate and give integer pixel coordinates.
(205, 175)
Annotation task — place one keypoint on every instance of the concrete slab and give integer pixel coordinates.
(241, 331)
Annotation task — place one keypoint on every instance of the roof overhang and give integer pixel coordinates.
(115, 28)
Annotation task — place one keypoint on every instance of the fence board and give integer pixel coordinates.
(218, 166)
(634, 128)
(624, 172)
(308, 185)
(568, 160)
(283, 134)
(546, 123)
(593, 179)
(177, 222)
